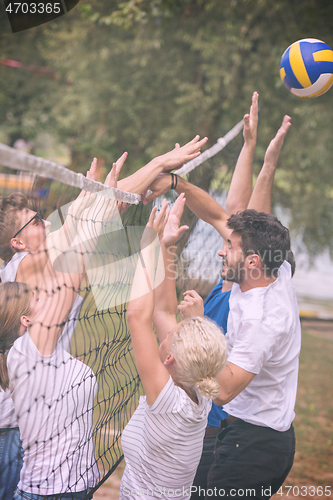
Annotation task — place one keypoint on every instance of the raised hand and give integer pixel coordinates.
(157, 223)
(179, 155)
(112, 177)
(251, 122)
(172, 231)
(274, 148)
(191, 305)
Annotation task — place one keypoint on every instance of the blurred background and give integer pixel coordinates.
(140, 75)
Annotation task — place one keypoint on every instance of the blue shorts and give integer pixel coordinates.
(11, 461)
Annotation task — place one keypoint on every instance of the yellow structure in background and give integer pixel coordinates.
(20, 182)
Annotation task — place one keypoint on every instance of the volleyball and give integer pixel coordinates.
(306, 67)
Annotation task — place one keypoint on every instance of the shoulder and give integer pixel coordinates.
(173, 400)
(247, 305)
(30, 268)
(165, 400)
(9, 269)
(281, 301)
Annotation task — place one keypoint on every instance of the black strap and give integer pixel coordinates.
(174, 179)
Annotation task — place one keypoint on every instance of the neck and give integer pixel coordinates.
(226, 286)
(191, 393)
(261, 282)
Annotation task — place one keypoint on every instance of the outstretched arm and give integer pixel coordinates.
(142, 178)
(86, 220)
(165, 309)
(240, 190)
(32, 268)
(261, 199)
(153, 374)
(201, 203)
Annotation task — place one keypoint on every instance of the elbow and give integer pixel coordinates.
(233, 207)
(223, 398)
(230, 207)
(132, 316)
(137, 317)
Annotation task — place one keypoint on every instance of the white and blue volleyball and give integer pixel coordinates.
(306, 67)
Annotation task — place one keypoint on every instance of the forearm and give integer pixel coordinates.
(78, 237)
(141, 304)
(232, 380)
(165, 309)
(142, 178)
(261, 199)
(204, 206)
(94, 220)
(240, 190)
(69, 217)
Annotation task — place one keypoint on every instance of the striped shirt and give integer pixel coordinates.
(162, 445)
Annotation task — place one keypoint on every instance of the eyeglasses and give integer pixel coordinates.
(38, 217)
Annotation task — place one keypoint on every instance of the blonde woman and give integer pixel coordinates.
(162, 443)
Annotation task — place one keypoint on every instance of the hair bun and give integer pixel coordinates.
(208, 387)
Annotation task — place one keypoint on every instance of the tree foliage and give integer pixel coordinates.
(140, 75)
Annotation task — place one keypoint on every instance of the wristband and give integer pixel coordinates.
(173, 181)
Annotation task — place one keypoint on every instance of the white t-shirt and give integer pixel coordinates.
(162, 445)
(8, 272)
(264, 337)
(53, 397)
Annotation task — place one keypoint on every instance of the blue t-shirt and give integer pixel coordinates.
(217, 309)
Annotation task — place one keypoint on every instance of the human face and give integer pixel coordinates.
(33, 229)
(36, 219)
(233, 259)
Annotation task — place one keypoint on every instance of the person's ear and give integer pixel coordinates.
(17, 244)
(254, 261)
(25, 321)
(169, 359)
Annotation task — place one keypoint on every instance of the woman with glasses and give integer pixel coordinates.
(23, 247)
(52, 392)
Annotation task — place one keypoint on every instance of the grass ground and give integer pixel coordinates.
(313, 466)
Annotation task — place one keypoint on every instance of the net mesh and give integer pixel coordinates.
(99, 335)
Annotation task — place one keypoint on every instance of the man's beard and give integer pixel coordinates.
(234, 274)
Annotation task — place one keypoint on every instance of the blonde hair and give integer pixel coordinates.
(9, 207)
(200, 352)
(15, 299)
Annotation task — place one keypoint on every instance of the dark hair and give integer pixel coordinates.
(9, 207)
(264, 235)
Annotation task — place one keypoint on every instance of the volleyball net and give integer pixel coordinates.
(104, 249)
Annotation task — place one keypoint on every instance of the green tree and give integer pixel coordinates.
(141, 75)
